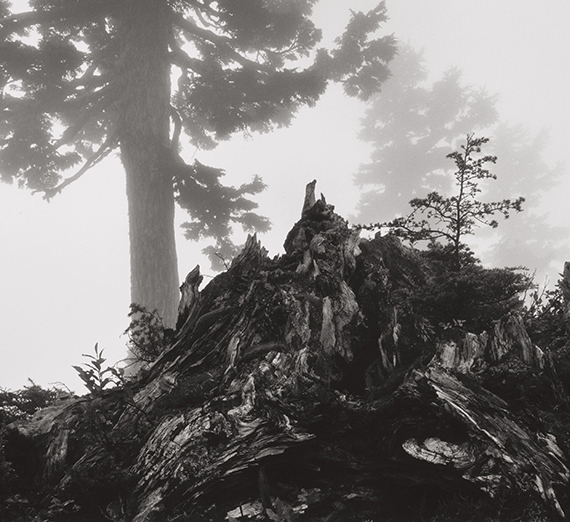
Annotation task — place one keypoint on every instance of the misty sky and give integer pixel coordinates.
(64, 266)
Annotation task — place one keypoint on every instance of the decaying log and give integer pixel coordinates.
(189, 296)
(294, 390)
(507, 449)
(510, 334)
(465, 357)
(565, 286)
(509, 337)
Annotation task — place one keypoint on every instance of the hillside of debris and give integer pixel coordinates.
(348, 379)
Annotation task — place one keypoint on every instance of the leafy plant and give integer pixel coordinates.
(94, 376)
(148, 336)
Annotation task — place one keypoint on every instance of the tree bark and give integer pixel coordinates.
(143, 129)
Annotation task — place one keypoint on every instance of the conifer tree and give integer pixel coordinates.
(412, 125)
(417, 120)
(450, 219)
(83, 78)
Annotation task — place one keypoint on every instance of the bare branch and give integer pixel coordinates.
(71, 132)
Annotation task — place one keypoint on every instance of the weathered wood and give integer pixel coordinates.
(565, 287)
(310, 198)
(510, 334)
(498, 449)
(189, 296)
(296, 387)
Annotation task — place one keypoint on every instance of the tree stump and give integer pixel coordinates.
(293, 390)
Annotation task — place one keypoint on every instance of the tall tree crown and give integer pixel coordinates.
(69, 68)
(417, 120)
(83, 78)
(412, 125)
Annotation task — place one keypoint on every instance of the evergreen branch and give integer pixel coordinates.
(88, 77)
(97, 99)
(200, 9)
(12, 23)
(199, 13)
(455, 216)
(101, 153)
(27, 18)
(227, 45)
(71, 131)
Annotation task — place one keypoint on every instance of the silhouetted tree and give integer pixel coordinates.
(529, 239)
(450, 219)
(412, 126)
(414, 123)
(83, 78)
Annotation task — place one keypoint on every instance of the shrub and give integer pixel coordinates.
(472, 297)
(148, 337)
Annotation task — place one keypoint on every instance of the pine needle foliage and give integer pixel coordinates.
(437, 217)
(70, 70)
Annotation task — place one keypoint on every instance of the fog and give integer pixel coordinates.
(64, 266)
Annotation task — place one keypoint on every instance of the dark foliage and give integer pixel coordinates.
(472, 297)
(148, 337)
(544, 317)
(25, 402)
(15, 405)
(214, 207)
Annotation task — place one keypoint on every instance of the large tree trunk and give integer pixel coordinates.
(299, 388)
(144, 135)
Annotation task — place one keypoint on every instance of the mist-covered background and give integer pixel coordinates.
(64, 266)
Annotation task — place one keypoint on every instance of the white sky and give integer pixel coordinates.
(64, 276)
